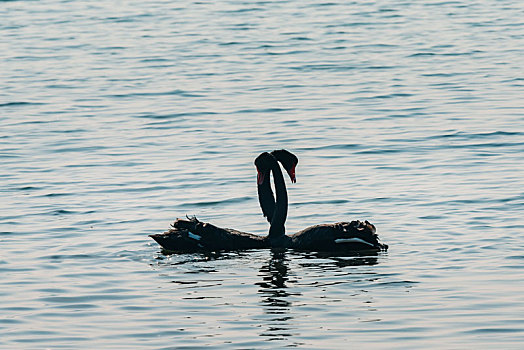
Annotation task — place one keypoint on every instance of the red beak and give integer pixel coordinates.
(292, 174)
(260, 177)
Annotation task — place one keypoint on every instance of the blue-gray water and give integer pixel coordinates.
(118, 117)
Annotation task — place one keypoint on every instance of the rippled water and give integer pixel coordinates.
(116, 118)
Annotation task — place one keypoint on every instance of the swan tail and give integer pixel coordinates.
(184, 235)
(358, 232)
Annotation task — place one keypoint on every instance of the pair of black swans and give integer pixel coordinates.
(193, 235)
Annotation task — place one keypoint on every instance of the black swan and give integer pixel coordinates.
(340, 236)
(192, 235)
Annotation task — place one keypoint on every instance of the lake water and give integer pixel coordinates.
(118, 117)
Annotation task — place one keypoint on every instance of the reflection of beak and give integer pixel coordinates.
(260, 177)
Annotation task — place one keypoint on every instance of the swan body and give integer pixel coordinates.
(193, 235)
(340, 236)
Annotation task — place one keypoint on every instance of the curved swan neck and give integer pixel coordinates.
(265, 196)
(277, 229)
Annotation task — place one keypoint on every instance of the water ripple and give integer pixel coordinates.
(115, 122)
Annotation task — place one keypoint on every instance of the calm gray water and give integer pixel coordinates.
(117, 118)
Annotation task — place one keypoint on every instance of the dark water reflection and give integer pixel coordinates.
(275, 295)
(290, 290)
(280, 290)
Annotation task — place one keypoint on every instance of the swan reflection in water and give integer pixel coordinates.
(290, 285)
(279, 292)
(275, 297)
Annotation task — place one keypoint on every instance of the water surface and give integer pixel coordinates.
(117, 120)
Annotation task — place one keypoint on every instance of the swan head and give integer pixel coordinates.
(288, 160)
(263, 163)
